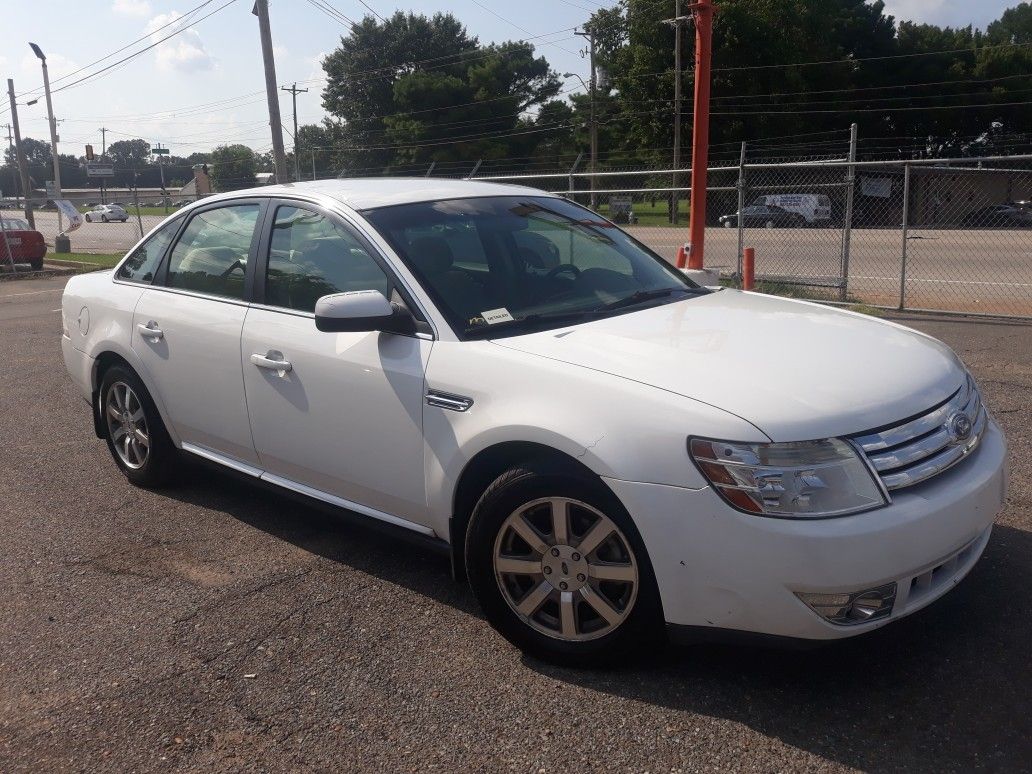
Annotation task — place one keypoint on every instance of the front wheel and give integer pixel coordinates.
(135, 434)
(104, 218)
(560, 570)
(88, 219)
(769, 224)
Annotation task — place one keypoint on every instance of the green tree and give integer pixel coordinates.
(414, 89)
(232, 167)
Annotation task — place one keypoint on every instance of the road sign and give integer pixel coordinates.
(100, 169)
(159, 151)
(89, 153)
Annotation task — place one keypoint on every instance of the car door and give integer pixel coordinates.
(186, 329)
(344, 418)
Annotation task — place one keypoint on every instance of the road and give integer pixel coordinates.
(221, 628)
(960, 270)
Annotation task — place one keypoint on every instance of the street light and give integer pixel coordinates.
(53, 127)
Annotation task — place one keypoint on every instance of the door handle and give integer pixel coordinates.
(272, 360)
(150, 330)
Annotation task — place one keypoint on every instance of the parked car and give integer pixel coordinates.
(21, 243)
(513, 378)
(1000, 216)
(106, 213)
(814, 208)
(764, 216)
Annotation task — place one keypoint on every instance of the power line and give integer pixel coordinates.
(142, 50)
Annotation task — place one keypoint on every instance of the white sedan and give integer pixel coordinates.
(105, 213)
(603, 446)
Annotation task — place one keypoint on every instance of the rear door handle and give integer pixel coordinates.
(150, 330)
(272, 360)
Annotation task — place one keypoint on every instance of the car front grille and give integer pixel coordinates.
(925, 446)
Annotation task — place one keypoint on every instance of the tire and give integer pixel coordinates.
(36, 264)
(104, 218)
(769, 224)
(563, 627)
(88, 219)
(727, 224)
(158, 466)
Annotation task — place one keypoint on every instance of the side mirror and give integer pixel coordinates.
(362, 310)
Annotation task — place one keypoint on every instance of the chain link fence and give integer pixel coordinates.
(937, 235)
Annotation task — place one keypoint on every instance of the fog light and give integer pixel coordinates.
(857, 607)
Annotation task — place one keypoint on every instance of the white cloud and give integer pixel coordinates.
(280, 52)
(185, 52)
(315, 65)
(131, 7)
(58, 65)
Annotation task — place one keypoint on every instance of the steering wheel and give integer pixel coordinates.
(561, 268)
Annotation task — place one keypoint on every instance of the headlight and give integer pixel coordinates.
(808, 479)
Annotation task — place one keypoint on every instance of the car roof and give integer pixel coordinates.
(361, 193)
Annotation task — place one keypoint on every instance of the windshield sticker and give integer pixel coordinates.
(493, 316)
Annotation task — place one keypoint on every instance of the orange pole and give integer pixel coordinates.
(700, 131)
(748, 268)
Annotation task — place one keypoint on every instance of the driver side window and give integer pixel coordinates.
(211, 255)
(311, 256)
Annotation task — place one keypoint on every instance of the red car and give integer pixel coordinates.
(21, 243)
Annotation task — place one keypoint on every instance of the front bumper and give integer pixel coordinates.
(719, 568)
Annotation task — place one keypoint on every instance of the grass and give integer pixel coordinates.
(103, 260)
(653, 214)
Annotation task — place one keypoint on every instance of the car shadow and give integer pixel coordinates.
(947, 689)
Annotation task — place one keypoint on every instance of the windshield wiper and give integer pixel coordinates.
(641, 296)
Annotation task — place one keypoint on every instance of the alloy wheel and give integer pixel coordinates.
(565, 569)
(127, 425)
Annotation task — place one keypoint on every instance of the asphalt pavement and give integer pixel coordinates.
(217, 627)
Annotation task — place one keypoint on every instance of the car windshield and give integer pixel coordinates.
(15, 224)
(503, 265)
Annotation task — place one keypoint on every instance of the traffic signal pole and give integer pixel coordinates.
(703, 13)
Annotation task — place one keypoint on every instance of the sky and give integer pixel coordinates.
(205, 86)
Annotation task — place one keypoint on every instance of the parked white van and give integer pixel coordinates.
(816, 208)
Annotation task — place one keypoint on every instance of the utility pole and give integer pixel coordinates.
(703, 12)
(103, 155)
(261, 10)
(294, 91)
(53, 128)
(593, 126)
(678, 23)
(14, 163)
(23, 169)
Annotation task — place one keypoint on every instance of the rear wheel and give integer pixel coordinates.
(88, 219)
(36, 264)
(104, 218)
(135, 434)
(769, 224)
(560, 570)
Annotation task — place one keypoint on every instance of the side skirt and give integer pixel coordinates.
(384, 522)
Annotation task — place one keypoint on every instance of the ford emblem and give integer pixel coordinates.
(959, 426)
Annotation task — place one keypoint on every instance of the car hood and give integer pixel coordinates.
(795, 370)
